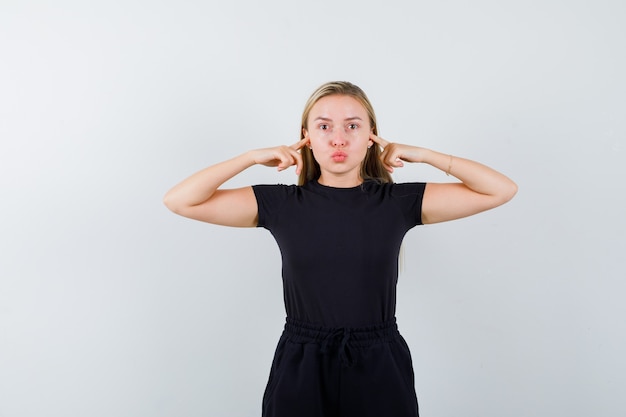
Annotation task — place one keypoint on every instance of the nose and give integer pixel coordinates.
(339, 138)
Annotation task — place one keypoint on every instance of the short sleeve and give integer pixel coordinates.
(409, 197)
(270, 199)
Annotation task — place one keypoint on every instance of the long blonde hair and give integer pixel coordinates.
(371, 167)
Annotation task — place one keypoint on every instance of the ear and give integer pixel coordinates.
(370, 142)
(305, 133)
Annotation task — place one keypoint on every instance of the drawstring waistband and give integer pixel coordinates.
(348, 338)
(345, 354)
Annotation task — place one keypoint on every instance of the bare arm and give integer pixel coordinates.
(481, 188)
(200, 197)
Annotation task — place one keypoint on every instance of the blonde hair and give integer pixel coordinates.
(371, 167)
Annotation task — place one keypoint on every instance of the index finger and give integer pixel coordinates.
(300, 144)
(377, 139)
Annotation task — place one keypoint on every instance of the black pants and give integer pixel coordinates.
(322, 372)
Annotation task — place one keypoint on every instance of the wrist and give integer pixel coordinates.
(425, 156)
(249, 158)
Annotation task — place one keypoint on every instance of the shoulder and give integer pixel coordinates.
(408, 188)
(274, 189)
(269, 188)
(272, 194)
(393, 189)
(271, 198)
(406, 198)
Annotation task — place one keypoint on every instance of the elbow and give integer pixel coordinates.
(167, 202)
(171, 203)
(505, 193)
(508, 192)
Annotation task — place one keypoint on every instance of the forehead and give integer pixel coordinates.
(338, 107)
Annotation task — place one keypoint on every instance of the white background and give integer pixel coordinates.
(112, 306)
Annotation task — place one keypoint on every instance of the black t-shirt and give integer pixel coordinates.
(340, 247)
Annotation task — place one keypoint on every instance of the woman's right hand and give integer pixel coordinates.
(281, 157)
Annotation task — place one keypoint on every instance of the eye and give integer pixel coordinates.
(323, 127)
(353, 126)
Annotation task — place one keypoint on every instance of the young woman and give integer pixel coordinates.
(339, 232)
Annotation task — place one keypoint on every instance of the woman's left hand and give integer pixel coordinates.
(395, 154)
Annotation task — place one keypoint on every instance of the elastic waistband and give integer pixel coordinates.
(303, 332)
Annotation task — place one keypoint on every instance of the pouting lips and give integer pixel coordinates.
(339, 156)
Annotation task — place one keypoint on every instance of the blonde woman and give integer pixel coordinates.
(339, 232)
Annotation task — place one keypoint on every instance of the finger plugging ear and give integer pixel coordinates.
(377, 139)
(300, 144)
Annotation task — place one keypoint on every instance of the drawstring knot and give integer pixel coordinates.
(345, 349)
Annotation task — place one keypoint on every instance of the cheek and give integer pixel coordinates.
(362, 136)
(318, 137)
(314, 143)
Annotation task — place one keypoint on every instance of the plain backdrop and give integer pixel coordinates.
(110, 305)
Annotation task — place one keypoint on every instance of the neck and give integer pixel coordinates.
(340, 181)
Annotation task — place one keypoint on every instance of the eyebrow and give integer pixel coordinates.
(326, 119)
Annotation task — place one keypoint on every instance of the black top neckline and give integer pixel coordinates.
(360, 187)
